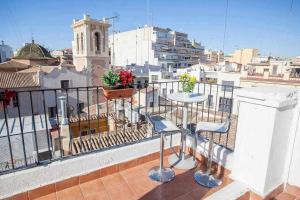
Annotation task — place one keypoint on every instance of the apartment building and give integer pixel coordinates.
(213, 57)
(157, 46)
(243, 56)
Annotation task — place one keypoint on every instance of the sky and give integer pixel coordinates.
(272, 26)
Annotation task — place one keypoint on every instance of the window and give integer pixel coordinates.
(103, 40)
(15, 101)
(154, 78)
(164, 92)
(80, 107)
(227, 86)
(139, 85)
(64, 84)
(274, 70)
(225, 104)
(52, 112)
(97, 42)
(151, 104)
(77, 43)
(210, 101)
(81, 42)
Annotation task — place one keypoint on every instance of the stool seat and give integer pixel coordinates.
(163, 125)
(212, 127)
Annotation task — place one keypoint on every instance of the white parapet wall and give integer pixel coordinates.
(293, 166)
(264, 131)
(25, 180)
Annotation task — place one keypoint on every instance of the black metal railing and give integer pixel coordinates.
(45, 125)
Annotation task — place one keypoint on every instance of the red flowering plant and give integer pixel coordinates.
(6, 97)
(126, 78)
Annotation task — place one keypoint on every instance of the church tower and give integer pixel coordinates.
(90, 47)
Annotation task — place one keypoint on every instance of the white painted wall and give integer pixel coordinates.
(263, 133)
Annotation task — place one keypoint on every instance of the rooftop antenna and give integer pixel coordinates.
(114, 18)
(225, 25)
(32, 39)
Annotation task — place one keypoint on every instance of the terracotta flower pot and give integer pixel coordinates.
(111, 93)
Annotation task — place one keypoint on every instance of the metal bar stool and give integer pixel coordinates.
(206, 178)
(163, 127)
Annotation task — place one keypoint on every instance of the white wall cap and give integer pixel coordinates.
(269, 96)
(234, 190)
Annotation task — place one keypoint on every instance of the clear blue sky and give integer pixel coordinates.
(273, 26)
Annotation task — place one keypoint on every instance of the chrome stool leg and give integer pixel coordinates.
(160, 173)
(206, 178)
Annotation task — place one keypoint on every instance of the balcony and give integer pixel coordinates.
(81, 145)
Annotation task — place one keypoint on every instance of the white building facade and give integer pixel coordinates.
(156, 46)
(6, 52)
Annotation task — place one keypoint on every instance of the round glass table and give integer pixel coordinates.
(184, 161)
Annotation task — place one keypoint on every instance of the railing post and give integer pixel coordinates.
(64, 126)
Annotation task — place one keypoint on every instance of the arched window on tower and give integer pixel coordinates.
(104, 39)
(77, 43)
(81, 42)
(97, 42)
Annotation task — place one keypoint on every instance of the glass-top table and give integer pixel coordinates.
(184, 161)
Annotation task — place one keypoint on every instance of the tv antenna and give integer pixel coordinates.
(114, 18)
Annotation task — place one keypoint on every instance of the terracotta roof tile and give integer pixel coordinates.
(18, 80)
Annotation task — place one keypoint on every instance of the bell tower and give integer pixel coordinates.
(90, 47)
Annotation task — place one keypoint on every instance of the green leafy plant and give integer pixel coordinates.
(188, 82)
(111, 78)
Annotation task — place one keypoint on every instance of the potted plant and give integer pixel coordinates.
(6, 97)
(118, 84)
(188, 83)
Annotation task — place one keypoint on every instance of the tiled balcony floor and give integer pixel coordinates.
(133, 183)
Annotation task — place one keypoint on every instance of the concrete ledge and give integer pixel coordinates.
(234, 190)
(26, 180)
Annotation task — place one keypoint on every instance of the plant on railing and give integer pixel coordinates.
(118, 84)
(188, 82)
(6, 97)
(111, 78)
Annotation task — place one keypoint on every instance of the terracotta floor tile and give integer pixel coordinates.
(121, 192)
(51, 196)
(94, 190)
(72, 193)
(113, 181)
(293, 190)
(285, 196)
(199, 193)
(184, 197)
